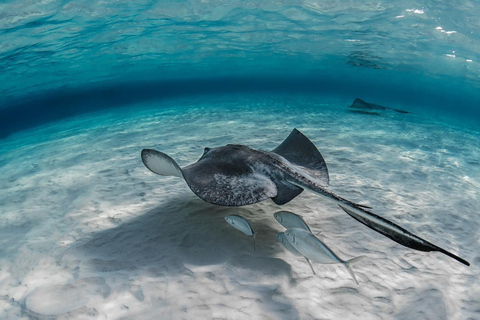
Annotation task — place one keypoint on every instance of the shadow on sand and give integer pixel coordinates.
(186, 236)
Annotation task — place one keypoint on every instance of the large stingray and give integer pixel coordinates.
(236, 175)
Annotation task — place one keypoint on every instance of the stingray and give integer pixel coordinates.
(360, 106)
(237, 175)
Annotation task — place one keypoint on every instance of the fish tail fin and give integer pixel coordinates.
(348, 265)
(311, 267)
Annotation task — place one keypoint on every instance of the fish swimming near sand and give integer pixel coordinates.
(287, 245)
(314, 249)
(237, 175)
(241, 224)
(291, 220)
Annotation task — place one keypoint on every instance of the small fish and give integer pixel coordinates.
(314, 249)
(283, 240)
(241, 224)
(291, 220)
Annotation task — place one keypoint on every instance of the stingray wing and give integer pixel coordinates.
(160, 163)
(223, 179)
(224, 175)
(237, 187)
(302, 153)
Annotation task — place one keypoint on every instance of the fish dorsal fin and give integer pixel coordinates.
(160, 163)
(300, 151)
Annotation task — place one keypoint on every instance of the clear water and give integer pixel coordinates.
(87, 232)
(424, 54)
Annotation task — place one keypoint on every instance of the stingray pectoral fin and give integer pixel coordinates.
(160, 163)
(300, 151)
(285, 192)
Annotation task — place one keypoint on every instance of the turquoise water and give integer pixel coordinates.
(59, 58)
(87, 232)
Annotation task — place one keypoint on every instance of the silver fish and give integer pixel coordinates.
(241, 224)
(291, 220)
(312, 248)
(283, 240)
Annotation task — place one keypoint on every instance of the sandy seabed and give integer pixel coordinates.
(87, 232)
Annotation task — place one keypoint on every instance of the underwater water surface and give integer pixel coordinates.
(87, 232)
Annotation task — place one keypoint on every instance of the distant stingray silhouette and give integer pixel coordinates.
(360, 106)
(236, 175)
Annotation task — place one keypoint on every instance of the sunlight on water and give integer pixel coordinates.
(87, 232)
(52, 44)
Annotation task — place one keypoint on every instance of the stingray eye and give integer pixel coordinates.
(206, 150)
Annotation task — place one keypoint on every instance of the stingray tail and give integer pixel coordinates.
(363, 206)
(451, 255)
(348, 265)
(395, 232)
(375, 222)
(254, 236)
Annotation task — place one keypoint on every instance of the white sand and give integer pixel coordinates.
(87, 232)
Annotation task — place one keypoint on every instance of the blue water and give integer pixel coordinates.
(87, 232)
(60, 58)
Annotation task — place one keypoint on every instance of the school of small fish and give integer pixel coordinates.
(297, 239)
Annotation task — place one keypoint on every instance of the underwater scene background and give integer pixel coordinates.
(87, 232)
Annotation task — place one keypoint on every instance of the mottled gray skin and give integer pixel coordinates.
(237, 175)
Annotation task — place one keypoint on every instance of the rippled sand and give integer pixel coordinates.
(87, 232)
